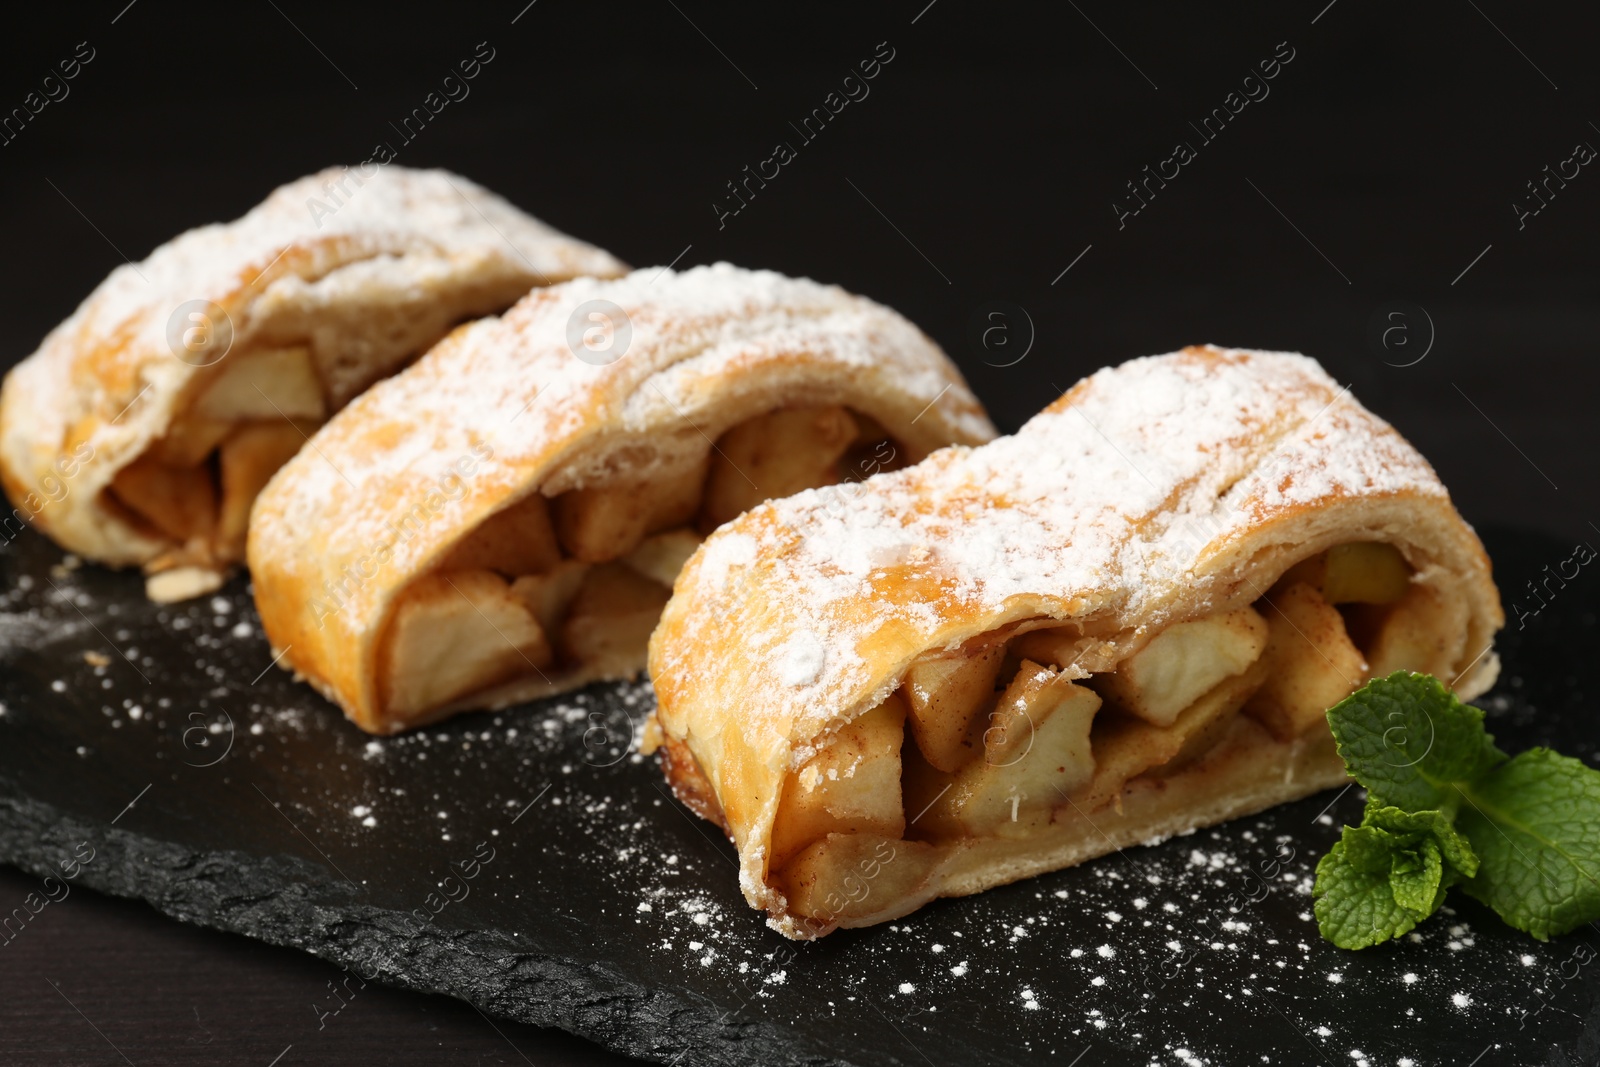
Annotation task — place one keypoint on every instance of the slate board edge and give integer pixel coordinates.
(237, 893)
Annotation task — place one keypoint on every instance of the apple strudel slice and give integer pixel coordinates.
(1122, 623)
(142, 429)
(505, 519)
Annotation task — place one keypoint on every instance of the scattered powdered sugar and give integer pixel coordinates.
(1035, 964)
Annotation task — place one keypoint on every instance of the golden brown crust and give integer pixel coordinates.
(506, 408)
(1167, 489)
(689, 783)
(365, 269)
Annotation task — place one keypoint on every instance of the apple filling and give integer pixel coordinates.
(570, 587)
(1022, 727)
(194, 486)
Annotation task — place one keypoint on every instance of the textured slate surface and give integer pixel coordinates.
(532, 863)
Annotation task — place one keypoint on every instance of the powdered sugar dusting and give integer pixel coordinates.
(108, 375)
(507, 406)
(1139, 472)
(800, 660)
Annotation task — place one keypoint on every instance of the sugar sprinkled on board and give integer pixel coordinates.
(720, 926)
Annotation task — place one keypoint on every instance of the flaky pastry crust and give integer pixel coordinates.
(367, 271)
(1166, 489)
(519, 405)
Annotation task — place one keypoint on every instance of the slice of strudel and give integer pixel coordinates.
(144, 426)
(1122, 623)
(505, 519)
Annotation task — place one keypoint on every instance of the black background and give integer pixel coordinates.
(987, 157)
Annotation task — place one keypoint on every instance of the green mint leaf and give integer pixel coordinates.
(1534, 822)
(1410, 741)
(1356, 908)
(1415, 876)
(1370, 849)
(1445, 806)
(1454, 848)
(1402, 852)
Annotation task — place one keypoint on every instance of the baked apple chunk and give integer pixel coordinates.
(1183, 662)
(270, 383)
(1422, 632)
(600, 523)
(1000, 740)
(180, 503)
(247, 460)
(196, 484)
(661, 557)
(588, 571)
(1360, 572)
(851, 787)
(1127, 746)
(1036, 750)
(454, 634)
(946, 695)
(610, 617)
(1311, 662)
(775, 455)
(850, 876)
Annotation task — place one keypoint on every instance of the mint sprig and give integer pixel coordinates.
(1410, 741)
(1445, 806)
(1535, 824)
(1388, 874)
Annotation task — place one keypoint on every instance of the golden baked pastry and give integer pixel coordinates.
(504, 519)
(145, 424)
(1122, 623)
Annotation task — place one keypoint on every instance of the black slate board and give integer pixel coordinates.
(532, 863)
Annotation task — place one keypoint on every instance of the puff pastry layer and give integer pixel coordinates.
(1124, 622)
(504, 519)
(142, 428)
